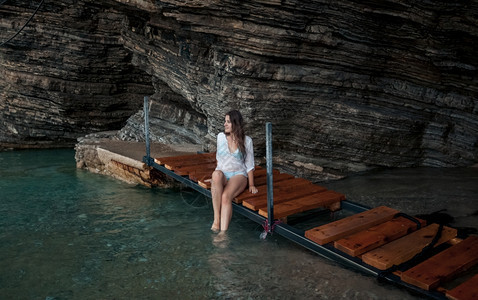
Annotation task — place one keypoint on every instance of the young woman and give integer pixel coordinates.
(235, 167)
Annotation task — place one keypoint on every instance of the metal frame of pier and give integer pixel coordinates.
(283, 229)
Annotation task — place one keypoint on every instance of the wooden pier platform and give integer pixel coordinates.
(419, 256)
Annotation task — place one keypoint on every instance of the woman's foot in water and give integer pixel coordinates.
(215, 228)
(220, 239)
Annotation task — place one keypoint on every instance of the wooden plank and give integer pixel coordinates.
(283, 191)
(189, 157)
(286, 182)
(200, 175)
(444, 266)
(339, 229)
(261, 195)
(192, 172)
(262, 189)
(258, 173)
(321, 199)
(205, 181)
(403, 249)
(163, 160)
(189, 163)
(198, 168)
(258, 181)
(376, 236)
(466, 291)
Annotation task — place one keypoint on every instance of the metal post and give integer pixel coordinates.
(146, 129)
(270, 196)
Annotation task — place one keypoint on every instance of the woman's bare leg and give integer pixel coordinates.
(217, 186)
(234, 187)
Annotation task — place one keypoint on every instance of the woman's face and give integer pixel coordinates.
(227, 125)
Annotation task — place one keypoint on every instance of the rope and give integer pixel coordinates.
(415, 259)
(400, 214)
(268, 229)
(24, 25)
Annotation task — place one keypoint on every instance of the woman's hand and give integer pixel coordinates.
(252, 189)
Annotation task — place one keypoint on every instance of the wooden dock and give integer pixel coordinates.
(380, 240)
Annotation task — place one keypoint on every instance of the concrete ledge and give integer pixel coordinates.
(123, 160)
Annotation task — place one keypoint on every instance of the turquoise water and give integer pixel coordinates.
(70, 234)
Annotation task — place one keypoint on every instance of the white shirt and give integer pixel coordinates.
(233, 162)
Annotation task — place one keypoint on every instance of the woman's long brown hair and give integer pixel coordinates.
(238, 130)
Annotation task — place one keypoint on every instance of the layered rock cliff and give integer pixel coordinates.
(347, 85)
(66, 74)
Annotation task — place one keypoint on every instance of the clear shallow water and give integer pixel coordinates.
(70, 234)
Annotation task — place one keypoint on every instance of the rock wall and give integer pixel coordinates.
(66, 74)
(347, 85)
